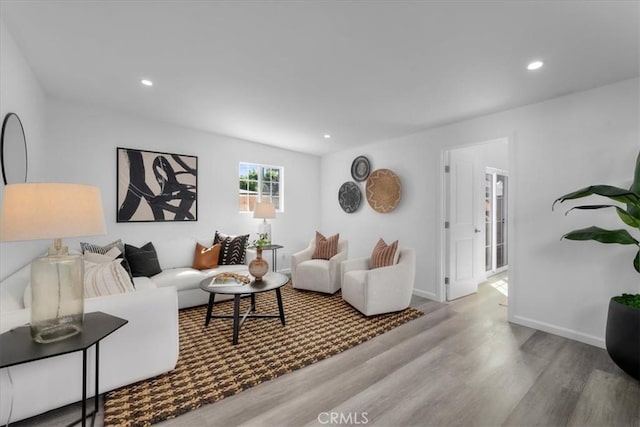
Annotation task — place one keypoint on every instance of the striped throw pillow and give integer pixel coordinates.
(108, 249)
(326, 247)
(384, 255)
(106, 278)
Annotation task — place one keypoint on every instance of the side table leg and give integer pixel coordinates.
(97, 395)
(212, 296)
(279, 295)
(84, 387)
(236, 318)
(253, 302)
(274, 259)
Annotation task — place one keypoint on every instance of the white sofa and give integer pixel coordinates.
(145, 347)
(176, 257)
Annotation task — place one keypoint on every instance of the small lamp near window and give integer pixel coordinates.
(264, 210)
(35, 211)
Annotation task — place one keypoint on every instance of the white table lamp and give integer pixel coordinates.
(264, 210)
(35, 211)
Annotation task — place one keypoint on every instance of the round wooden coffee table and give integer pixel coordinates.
(271, 281)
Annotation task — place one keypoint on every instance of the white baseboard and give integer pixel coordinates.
(425, 294)
(558, 330)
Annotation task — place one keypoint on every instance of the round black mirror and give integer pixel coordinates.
(13, 150)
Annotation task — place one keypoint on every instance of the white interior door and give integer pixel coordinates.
(464, 266)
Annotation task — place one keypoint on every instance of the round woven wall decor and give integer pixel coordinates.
(383, 190)
(349, 197)
(360, 168)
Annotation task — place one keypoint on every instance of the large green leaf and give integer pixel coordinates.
(636, 261)
(614, 193)
(628, 218)
(625, 216)
(601, 235)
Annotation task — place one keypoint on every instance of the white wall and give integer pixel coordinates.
(83, 143)
(21, 93)
(555, 147)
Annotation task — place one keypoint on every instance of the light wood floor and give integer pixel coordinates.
(462, 364)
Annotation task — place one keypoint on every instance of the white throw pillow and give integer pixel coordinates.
(106, 279)
(99, 258)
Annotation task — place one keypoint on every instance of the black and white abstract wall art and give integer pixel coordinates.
(156, 187)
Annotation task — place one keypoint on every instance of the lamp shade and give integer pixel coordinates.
(34, 211)
(264, 210)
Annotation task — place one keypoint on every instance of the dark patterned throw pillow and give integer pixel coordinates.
(98, 249)
(232, 248)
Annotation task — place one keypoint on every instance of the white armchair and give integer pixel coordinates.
(318, 274)
(381, 290)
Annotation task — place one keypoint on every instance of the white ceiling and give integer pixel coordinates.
(284, 73)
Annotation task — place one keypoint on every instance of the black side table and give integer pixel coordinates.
(17, 347)
(274, 254)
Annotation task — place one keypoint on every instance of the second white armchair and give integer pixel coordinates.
(379, 290)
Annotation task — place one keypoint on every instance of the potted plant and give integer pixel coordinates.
(623, 320)
(261, 241)
(258, 267)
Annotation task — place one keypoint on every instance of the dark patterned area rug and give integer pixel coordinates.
(210, 368)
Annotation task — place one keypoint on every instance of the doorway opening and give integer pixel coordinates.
(475, 208)
(496, 230)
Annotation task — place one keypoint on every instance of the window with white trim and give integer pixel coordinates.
(260, 183)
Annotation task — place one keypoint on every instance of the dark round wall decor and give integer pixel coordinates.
(349, 197)
(360, 168)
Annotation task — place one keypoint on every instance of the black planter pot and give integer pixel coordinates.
(623, 337)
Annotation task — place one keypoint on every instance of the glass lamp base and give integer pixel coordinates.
(264, 229)
(57, 297)
(44, 333)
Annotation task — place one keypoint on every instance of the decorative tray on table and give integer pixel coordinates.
(229, 279)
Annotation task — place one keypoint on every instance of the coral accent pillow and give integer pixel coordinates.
(384, 255)
(326, 247)
(206, 257)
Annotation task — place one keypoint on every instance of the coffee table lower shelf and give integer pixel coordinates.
(272, 281)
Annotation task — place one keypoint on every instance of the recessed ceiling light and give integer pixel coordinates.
(326, 136)
(535, 65)
(146, 82)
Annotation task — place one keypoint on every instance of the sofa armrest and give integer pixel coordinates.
(12, 289)
(152, 313)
